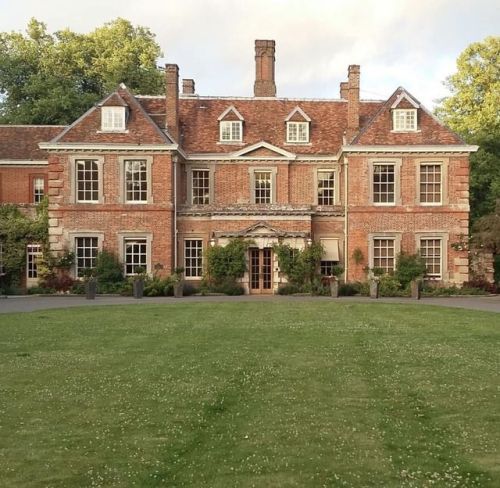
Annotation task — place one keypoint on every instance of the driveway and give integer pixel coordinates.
(32, 303)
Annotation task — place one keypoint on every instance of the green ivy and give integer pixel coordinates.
(299, 266)
(227, 263)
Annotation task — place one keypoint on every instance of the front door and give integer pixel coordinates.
(261, 270)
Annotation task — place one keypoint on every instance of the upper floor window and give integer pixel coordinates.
(430, 187)
(113, 118)
(87, 180)
(384, 183)
(200, 187)
(231, 131)
(297, 132)
(404, 119)
(262, 187)
(326, 187)
(136, 181)
(38, 189)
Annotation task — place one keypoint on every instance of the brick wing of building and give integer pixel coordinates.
(158, 179)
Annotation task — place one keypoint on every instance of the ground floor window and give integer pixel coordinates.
(33, 253)
(326, 267)
(86, 249)
(193, 258)
(135, 255)
(431, 252)
(384, 254)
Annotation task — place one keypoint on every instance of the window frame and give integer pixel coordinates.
(201, 257)
(397, 180)
(297, 124)
(33, 253)
(405, 127)
(443, 162)
(123, 237)
(264, 169)
(232, 124)
(444, 238)
(395, 236)
(33, 179)
(336, 196)
(74, 175)
(114, 110)
(189, 180)
(122, 161)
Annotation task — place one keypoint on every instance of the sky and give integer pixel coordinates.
(410, 43)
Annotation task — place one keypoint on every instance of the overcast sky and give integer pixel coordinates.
(397, 42)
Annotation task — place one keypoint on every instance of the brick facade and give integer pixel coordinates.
(167, 182)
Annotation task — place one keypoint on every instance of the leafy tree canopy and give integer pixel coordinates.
(473, 106)
(54, 78)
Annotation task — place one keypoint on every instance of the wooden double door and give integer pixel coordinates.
(261, 270)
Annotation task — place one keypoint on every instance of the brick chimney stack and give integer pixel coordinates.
(188, 87)
(172, 100)
(264, 69)
(353, 101)
(344, 90)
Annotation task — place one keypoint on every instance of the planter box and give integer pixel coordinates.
(90, 289)
(374, 289)
(138, 288)
(334, 288)
(416, 289)
(178, 290)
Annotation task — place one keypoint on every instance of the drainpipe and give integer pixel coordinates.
(174, 160)
(346, 227)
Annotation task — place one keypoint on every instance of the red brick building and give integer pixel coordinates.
(158, 179)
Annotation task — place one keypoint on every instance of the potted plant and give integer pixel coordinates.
(90, 283)
(336, 271)
(138, 283)
(375, 274)
(177, 280)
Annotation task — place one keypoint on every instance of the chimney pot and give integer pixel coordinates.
(353, 101)
(265, 85)
(188, 87)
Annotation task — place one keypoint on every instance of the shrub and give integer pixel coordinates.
(229, 287)
(391, 287)
(40, 290)
(158, 287)
(299, 265)
(481, 284)
(78, 288)
(294, 288)
(59, 282)
(227, 263)
(353, 288)
(408, 268)
(108, 268)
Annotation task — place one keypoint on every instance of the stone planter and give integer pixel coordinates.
(334, 287)
(90, 289)
(416, 288)
(374, 288)
(138, 287)
(178, 289)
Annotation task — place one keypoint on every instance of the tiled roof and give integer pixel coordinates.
(20, 142)
(264, 120)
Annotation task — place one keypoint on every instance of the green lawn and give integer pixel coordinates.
(242, 394)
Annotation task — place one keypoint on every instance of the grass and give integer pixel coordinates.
(292, 394)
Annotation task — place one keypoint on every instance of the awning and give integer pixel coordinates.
(331, 247)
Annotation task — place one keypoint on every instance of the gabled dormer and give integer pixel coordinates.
(114, 113)
(405, 113)
(297, 127)
(230, 126)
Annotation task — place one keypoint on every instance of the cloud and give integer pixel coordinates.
(396, 42)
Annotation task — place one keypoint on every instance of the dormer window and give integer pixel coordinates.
(297, 132)
(230, 125)
(113, 119)
(231, 131)
(297, 127)
(404, 119)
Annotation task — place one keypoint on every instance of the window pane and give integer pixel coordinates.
(326, 188)
(87, 180)
(86, 249)
(136, 181)
(201, 187)
(383, 254)
(135, 255)
(430, 250)
(430, 183)
(262, 190)
(193, 257)
(383, 183)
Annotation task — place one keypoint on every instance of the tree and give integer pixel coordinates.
(54, 78)
(472, 110)
(475, 91)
